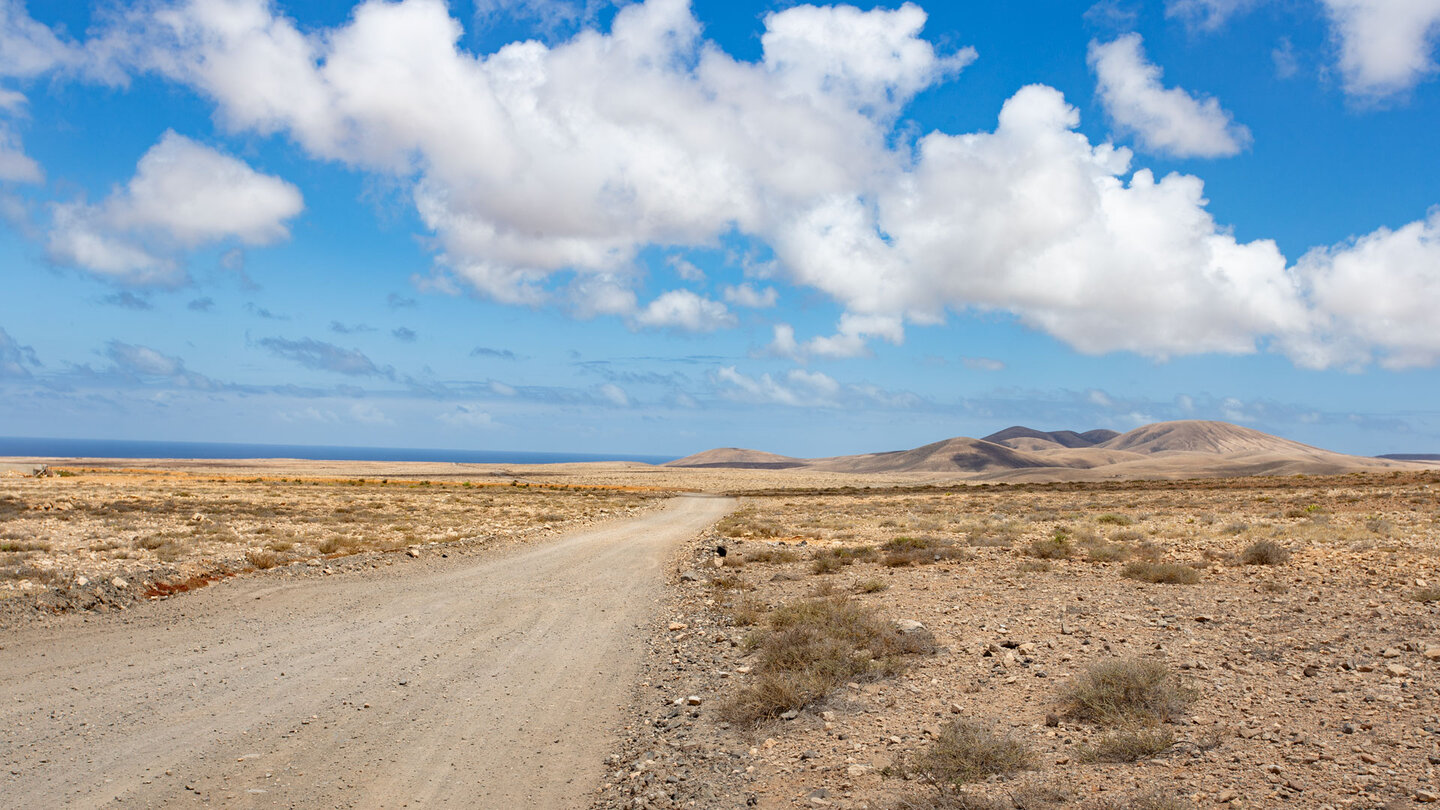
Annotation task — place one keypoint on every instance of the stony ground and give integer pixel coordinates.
(98, 540)
(1317, 677)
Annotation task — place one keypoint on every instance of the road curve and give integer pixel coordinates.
(481, 682)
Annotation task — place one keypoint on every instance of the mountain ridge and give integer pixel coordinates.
(1178, 449)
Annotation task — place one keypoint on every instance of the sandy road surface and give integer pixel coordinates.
(490, 682)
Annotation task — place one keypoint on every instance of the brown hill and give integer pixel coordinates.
(1205, 437)
(738, 458)
(1021, 437)
(949, 456)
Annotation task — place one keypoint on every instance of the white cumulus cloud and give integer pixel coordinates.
(543, 171)
(744, 295)
(183, 195)
(683, 309)
(1386, 46)
(1167, 120)
(1375, 292)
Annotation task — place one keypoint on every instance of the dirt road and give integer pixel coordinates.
(486, 682)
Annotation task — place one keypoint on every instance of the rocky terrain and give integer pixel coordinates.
(1314, 669)
(101, 539)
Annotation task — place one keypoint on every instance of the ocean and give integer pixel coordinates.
(123, 448)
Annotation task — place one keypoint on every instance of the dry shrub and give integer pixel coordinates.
(1265, 552)
(1128, 745)
(1035, 796)
(44, 576)
(810, 648)
(1126, 692)
(830, 560)
(967, 751)
(1161, 573)
(1115, 519)
(746, 611)
(730, 582)
(1051, 548)
(1106, 552)
(263, 560)
(771, 555)
(871, 586)
(903, 551)
(1034, 566)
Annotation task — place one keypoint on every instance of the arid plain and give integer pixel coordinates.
(882, 638)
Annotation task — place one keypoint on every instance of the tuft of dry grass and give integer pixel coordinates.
(873, 585)
(780, 554)
(967, 751)
(1161, 573)
(1051, 548)
(1128, 745)
(263, 560)
(1126, 692)
(810, 648)
(1264, 552)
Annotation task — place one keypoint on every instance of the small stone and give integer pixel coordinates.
(908, 626)
(855, 771)
(1432, 653)
(674, 626)
(1310, 671)
(956, 708)
(1226, 796)
(693, 700)
(119, 583)
(789, 715)
(1426, 796)
(1396, 670)
(412, 552)
(689, 576)
(81, 582)
(1052, 720)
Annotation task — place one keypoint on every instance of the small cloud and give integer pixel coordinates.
(1207, 15)
(783, 343)
(262, 312)
(127, 300)
(798, 388)
(205, 304)
(685, 269)
(498, 354)
(397, 301)
(1163, 119)
(321, 356)
(502, 389)
(615, 394)
(347, 329)
(745, 295)
(982, 364)
(403, 334)
(1112, 14)
(14, 358)
(683, 309)
(463, 416)
(1286, 63)
(367, 414)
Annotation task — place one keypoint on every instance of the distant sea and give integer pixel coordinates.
(120, 448)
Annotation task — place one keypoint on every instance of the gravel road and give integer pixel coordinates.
(478, 682)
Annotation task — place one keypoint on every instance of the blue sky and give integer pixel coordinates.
(660, 227)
